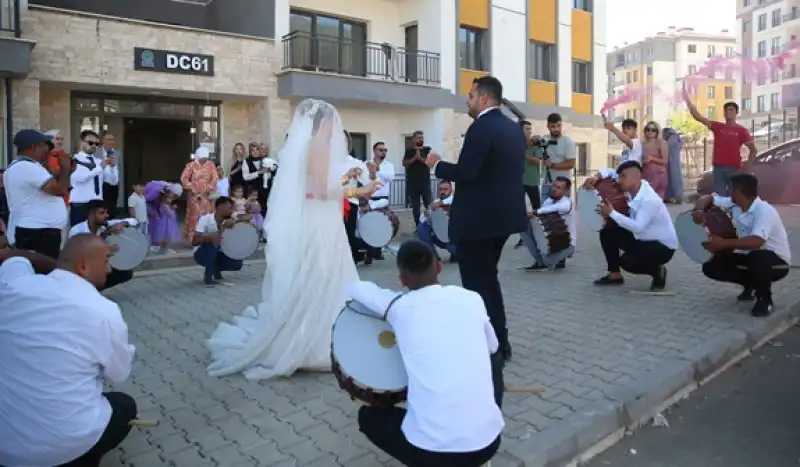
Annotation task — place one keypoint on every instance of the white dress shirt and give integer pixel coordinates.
(761, 220)
(83, 227)
(445, 339)
(423, 217)
(28, 205)
(385, 175)
(82, 178)
(59, 339)
(564, 207)
(649, 218)
(139, 206)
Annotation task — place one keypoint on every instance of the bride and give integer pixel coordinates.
(309, 262)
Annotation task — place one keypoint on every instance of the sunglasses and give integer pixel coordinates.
(92, 143)
(651, 130)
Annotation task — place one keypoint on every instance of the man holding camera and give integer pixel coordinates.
(558, 159)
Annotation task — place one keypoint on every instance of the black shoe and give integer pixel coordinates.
(453, 259)
(367, 260)
(208, 283)
(659, 283)
(746, 295)
(561, 264)
(218, 276)
(380, 258)
(607, 280)
(506, 352)
(535, 268)
(762, 308)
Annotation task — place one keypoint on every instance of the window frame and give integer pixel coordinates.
(475, 47)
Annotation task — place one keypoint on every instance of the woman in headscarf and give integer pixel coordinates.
(56, 138)
(199, 181)
(674, 146)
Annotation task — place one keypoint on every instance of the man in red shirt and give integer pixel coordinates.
(728, 140)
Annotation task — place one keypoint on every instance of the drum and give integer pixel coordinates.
(240, 241)
(588, 201)
(440, 223)
(132, 250)
(365, 359)
(378, 227)
(551, 233)
(692, 235)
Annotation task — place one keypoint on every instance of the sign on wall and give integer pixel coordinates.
(166, 61)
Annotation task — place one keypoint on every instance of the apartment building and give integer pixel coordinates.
(765, 27)
(656, 67)
(169, 75)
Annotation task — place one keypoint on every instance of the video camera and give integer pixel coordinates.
(543, 144)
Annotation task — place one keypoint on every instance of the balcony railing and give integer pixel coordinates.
(9, 17)
(328, 54)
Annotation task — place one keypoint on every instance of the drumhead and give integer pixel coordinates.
(240, 241)
(440, 222)
(376, 229)
(588, 200)
(133, 247)
(691, 236)
(355, 346)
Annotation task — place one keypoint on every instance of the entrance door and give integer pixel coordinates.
(412, 45)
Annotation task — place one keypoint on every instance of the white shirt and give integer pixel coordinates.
(83, 227)
(139, 206)
(564, 207)
(207, 224)
(83, 179)
(352, 183)
(385, 175)
(59, 339)
(631, 154)
(445, 339)
(761, 220)
(29, 206)
(445, 202)
(224, 187)
(649, 218)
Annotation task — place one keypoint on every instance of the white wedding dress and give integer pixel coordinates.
(309, 263)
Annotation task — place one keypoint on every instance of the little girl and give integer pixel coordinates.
(239, 201)
(161, 217)
(254, 208)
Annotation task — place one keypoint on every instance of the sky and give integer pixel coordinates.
(633, 20)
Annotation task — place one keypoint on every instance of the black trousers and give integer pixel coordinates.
(110, 197)
(753, 270)
(534, 195)
(123, 410)
(639, 257)
(381, 425)
(416, 192)
(477, 264)
(373, 252)
(116, 277)
(43, 241)
(78, 212)
(351, 225)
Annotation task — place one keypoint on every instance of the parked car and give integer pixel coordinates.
(778, 172)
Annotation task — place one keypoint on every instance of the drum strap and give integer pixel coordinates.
(388, 308)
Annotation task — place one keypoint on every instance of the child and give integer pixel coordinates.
(137, 207)
(223, 184)
(254, 209)
(239, 201)
(161, 217)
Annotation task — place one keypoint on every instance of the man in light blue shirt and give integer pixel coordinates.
(560, 159)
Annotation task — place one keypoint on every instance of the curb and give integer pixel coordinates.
(594, 428)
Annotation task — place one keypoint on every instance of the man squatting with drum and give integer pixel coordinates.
(453, 418)
(97, 223)
(55, 412)
(647, 237)
(207, 235)
(425, 228)
(558, 202)
(760, 255)
(382, 171)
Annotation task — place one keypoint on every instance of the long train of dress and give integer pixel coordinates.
(291, 328)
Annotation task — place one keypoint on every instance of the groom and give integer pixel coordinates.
(489, 201)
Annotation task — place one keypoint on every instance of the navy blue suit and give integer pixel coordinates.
(488, 206)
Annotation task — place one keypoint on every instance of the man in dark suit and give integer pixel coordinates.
(489, 201)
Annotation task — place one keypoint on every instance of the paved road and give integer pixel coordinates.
(746, 417)
(580, 342)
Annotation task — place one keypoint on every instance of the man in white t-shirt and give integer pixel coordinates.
(206, 241)
(631, 145)
(443, 333)
(36, 196)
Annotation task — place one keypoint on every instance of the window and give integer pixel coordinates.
(585, 5)
(745, 2)
(628, 78)
(728, 92)
(762, 49)
(761, 103)
(775, 101)
(791, 72)
(762, 21)
(620, 60)
(692, 49)
(712, 92)
(582, 77)
(711, 51)
(327, 43)
(359, 145)
(649, 71)
(692, 69)
(582, 159)
(471, 49)
(747, 104)
(745, 52)
(729, 51)
(776, 17)
(745, 25)
(775, 46)
(776, 76)
(636, 76)
(649, 110)
(710, 112)
(542, 62)
(633, 114)
(762, 80)
(746, 79)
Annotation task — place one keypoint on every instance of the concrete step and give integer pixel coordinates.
(183, 258)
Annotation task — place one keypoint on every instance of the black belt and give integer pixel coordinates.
(378, 198)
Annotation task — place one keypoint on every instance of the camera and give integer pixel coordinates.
(543, 144)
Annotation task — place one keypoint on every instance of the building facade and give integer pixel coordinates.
(166, 76)
(657, 66)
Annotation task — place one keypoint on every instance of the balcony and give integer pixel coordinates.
(347, 70)
(15, 52)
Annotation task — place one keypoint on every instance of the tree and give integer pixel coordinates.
(693, 132)
(690, 128)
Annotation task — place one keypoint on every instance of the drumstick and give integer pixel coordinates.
(777, 266)
(143, 423)
(528, 389)
(655, 293)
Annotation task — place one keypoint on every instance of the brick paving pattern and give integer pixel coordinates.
(579, 341)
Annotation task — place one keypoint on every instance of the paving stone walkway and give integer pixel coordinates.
(581, 342)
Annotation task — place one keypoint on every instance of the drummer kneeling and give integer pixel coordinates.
(445, 340)
(98, 223)
(557, 202)
(207, 237)
(760, 256)
(425, 228)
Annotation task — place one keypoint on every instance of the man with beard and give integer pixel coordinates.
(418, 175)
(91, 171)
